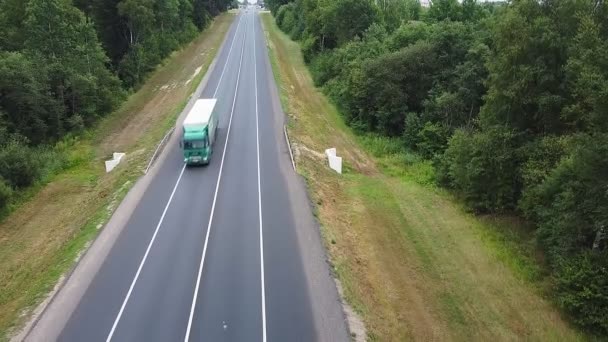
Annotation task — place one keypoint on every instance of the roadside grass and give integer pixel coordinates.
(41, 239)
(412, 261)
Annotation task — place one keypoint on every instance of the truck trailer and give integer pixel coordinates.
(199, 132)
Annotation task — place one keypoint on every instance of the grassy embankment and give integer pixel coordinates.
(40, 239)
(414, 264)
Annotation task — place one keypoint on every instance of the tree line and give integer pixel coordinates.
(64, 64)
(509, 101)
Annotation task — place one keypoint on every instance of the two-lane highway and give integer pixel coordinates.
(217, 253)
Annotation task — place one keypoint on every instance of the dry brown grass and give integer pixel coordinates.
(412, 262)
(39, 240)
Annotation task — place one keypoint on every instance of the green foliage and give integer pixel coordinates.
(445, 10)
(138, 34)
(280, 14)
(309, 44)
(394, 84)
(274, 5)
(12, 16)
(408, 34)
(412, 126)
(541, 157)
(587, 74)
(354, 53)
(582, 289)
(64, 43)
(5, 194)
(432, 140)
(436, 70)
(336, 22)
(287, 19)
(571, 204)
(19, 165)
(526, 72)
(26, 98)
(200, 16)
(291, 20)
(396, 12)
(347, 19)
(109, 25)
(482, 166)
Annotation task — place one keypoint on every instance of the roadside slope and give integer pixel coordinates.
(412, 262)
(40, 240)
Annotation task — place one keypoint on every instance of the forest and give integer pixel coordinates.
(508, 100)
(65, 64)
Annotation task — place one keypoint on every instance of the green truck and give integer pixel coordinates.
(199, 132)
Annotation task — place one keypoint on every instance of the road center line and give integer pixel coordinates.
(217, 187)
(257, 133)
(162, 217)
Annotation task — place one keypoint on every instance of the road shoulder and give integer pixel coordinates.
(329, 311)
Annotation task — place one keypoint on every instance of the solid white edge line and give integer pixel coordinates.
(227, 58)
(257, 132)
(143, 260)
(217, 186)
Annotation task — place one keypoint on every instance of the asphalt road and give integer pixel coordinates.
(227, 252)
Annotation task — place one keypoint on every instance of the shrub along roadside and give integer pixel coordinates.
(23, 167)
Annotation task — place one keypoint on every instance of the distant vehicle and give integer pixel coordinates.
(199, 132)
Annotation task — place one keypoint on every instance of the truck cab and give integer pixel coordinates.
(197, 149)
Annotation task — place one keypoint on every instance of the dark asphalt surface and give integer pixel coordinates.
(229, 304)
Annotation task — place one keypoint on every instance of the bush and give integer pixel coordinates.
(571, 205)
(297, 30)
(19, 165)
(411, 128)
(483, 166)
(408, 34)
(132, 66)
(309, 48)
(582, 289)
(5, 194)
(432, 140)
(289, 19)
(394, 84)
(324, 67)
(541, 157)
(279, 17)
